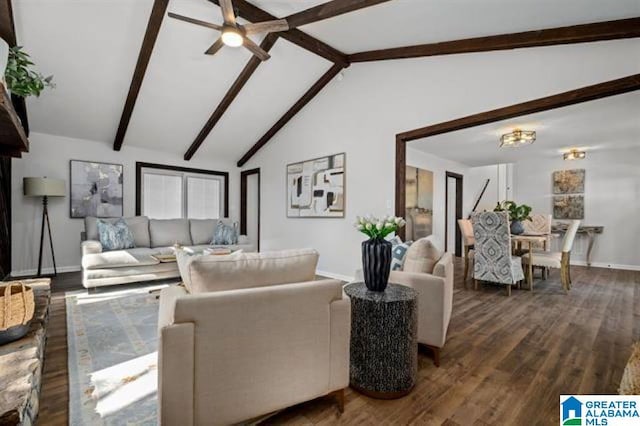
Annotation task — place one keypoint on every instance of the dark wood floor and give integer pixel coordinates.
(506, 360)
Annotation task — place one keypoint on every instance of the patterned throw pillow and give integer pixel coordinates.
(398, 253)
(115, 236)
(225, 234)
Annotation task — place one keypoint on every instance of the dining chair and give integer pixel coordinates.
(466, 229)
(493, 261)
(540, 224)
(557, 260)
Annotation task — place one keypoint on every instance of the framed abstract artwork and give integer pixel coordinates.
(568, 206)
(96, 189)
(568, 181)
(316, 188)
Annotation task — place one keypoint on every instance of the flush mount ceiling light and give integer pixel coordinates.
(517, 138)
(574, 154)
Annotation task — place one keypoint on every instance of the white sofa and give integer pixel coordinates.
(249, 334)
(152, 236)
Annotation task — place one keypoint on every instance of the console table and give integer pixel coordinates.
(589, 231)
(21, 363)
(384, 346)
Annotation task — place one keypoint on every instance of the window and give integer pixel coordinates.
(166, 192)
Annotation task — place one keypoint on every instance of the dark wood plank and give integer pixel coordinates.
(583, 94)
(243, 201)
(12, 135)
(401, 176)
(506, 360)
(328, 10)
(254, 14)
(599, 31)
(304, 100)
(150, 36)
(230, 96)
(8, 33)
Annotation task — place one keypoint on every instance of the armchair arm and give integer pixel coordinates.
(435, 300)
(168, 298)
(91, 247)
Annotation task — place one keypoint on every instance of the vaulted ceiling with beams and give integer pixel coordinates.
(92, 48)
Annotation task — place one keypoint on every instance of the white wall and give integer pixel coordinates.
(361, 115)
(49, 156)
(499, 189)
(612, 200)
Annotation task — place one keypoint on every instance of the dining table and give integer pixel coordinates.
(532, 240)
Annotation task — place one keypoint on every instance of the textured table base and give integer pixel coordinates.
(384, 348)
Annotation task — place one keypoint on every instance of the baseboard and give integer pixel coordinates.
(606, 265)
(340, 277)
(45, 271)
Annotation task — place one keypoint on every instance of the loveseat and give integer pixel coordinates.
(151, 237)
(247, 335)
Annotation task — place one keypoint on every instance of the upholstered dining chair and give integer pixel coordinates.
(539, 224)
(557, 260)
(493, 261)
(466, 229)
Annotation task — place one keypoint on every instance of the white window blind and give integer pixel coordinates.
(171, 194)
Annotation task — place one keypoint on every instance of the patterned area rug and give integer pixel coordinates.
(112, 339)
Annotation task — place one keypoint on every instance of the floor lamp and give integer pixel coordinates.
(44, 187)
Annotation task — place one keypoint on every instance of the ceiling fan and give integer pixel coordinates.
(234, 34)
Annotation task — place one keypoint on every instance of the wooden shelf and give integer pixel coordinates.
(13, 139)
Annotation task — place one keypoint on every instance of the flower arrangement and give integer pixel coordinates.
(376, 228)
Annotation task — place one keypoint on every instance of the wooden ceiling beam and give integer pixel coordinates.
(304, 100)
(328, 10)
(599, 31)
(254, 14)
(583, 94)
(8, 33)
(231, 94)
(153, 28)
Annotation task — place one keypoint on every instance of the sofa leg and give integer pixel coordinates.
(339, 398)
(436, 354)
(475, 284)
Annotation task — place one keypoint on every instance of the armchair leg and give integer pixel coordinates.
(475, 284)
(339, 397)
(508, 290)
(436, 354)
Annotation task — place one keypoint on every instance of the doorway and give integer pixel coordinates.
(250, 205)
(453, 212)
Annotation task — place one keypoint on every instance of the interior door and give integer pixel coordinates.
(250, 205)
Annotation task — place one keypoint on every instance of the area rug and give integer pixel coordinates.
(112, 343)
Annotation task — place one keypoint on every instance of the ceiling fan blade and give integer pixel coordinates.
(255, 49)
(195, 21)
(214, 47)
(227, 12)
(267, 27)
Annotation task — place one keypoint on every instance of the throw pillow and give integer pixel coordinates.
(398, 253)
(423, 255)
(115, 236)
(225, 234)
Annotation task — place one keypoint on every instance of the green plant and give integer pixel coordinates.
(22, 80)
(378, 228)
(517, 213)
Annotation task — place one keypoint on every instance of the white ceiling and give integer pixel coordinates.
(605, 124)
(91, 48)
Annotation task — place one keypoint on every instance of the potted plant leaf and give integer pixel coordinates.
(517, 214)
(22, 79)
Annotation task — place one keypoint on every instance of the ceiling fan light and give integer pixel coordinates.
(232, 37)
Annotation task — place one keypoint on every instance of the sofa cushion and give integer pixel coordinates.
(423, 255)
(117, 259)
(204, 273)
(202, 230)
(115, 236)
(167, 232)
(139, 226)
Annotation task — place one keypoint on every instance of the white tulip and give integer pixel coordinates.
(360, 227)
(368, 226)
(397, 220)
(379, 226)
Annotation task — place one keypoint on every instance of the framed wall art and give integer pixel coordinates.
(96, 189)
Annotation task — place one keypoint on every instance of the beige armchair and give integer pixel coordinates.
(231, 355)
(435, 302)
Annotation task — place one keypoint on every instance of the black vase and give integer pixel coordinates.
(376, 263)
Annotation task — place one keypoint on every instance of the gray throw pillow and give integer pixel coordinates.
(225, 234)
(115, 236)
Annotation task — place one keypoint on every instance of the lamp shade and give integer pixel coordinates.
(43, 186)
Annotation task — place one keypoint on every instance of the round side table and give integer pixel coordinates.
(384, 346)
